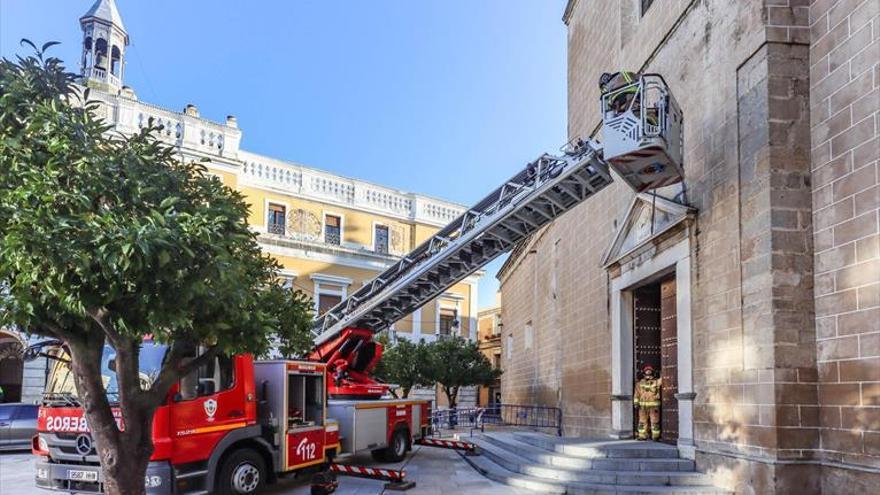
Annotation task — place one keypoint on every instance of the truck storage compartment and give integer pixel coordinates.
(361, 428)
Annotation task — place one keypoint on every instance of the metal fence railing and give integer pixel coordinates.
(497, 415)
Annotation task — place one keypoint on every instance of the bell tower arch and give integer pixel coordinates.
(103, 50)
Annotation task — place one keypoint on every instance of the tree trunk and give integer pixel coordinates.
(451, 395)
(405, 392)
(124, 455)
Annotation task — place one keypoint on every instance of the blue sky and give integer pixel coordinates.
(443, 97)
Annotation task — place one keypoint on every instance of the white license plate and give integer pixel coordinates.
(76, 475)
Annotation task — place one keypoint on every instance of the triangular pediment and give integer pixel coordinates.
(648, 216)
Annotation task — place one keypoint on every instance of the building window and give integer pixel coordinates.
(327, 301)
(529, 336)
(496, 361)
(646, 4)
(496, 325)
(380, 239)
(448, 321)
(332, 229)
(276, 221)
(329, 291)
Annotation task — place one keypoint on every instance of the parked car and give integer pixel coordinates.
(18, 425)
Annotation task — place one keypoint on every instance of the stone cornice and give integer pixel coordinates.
(306, 182)
(569, 8)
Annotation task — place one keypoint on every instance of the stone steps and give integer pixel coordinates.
(544, 456)
(592, 449)
(553, 465)
(519, 461)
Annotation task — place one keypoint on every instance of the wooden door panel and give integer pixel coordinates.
(646, 329)
(669, 361)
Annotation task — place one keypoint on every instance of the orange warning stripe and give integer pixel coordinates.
(211, 429)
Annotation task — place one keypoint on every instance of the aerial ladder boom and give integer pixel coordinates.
(546, 188)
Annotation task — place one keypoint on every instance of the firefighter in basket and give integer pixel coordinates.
(647, 399)
(620, 90)
(624, 93)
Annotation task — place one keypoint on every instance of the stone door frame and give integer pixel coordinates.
(675, 259)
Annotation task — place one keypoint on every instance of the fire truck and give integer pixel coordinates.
(236, 424)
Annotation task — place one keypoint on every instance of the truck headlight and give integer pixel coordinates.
(42, 444)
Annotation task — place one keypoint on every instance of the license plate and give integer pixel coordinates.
(76, 475)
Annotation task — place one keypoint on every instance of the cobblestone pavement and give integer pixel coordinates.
(435, 471)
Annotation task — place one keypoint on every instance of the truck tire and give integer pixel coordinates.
(396, 450)
(243, 473)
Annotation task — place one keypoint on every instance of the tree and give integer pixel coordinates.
(403, 364)
(454, 363)
(108, 239)
(292, 338)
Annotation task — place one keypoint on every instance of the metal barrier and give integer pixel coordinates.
(498, 415)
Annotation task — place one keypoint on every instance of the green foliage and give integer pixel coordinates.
(293, 338)
(403, 364)
(110, 238)
(109, 232)
(454, 363)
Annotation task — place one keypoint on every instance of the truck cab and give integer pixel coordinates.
(209, 419)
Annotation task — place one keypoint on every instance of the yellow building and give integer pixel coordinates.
(330, 233)
(334, 234)
(489, 341)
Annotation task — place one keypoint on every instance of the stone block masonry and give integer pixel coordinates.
(845, 131)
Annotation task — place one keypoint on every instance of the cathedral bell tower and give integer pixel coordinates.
(103, 49)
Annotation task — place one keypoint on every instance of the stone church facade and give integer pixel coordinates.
(755, 286)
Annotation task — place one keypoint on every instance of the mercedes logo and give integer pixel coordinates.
(84, 444)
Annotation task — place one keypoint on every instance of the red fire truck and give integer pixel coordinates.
(235, 425)
(241, 425)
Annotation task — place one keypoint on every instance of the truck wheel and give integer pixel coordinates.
(243, 472)
(396, 451)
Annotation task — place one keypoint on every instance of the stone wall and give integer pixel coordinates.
(780, 100)
(844, 97)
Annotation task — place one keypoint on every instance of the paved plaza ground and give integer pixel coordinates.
(435, 471)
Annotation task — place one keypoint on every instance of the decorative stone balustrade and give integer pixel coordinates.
(351, 193)
(201, 136)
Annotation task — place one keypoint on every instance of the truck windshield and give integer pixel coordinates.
(60, 384)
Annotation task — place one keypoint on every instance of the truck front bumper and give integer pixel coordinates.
(84, 478)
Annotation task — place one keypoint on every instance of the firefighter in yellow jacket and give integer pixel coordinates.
(647, 399)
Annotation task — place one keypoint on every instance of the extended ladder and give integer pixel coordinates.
(643, 145)
(544, 190)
